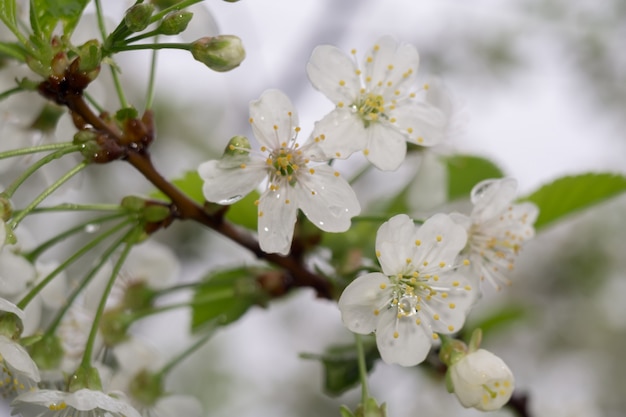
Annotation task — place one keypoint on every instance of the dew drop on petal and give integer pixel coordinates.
(230, 200)
(407, 304)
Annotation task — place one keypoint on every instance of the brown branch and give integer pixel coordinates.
(131, 142)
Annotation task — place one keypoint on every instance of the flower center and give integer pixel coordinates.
(370, 108)
(286, 162)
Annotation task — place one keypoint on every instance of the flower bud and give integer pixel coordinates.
(47, 352)
(6, 211)
(482, 380)
(137, 18)
(220, 53)
(175, 22)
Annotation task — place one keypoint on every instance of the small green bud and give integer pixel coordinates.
(84, 136)
(220, 53)
(137, 18)
(90, 54)
(165, 4)
(85, 377)
(133, 203)
(47, 352)
(138, 296)
(6, 208)
(114, 326)
(146, 387)
(237, 146)
(175, 22)
(10, 325)
(155, 213)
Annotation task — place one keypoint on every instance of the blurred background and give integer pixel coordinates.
(540, 88)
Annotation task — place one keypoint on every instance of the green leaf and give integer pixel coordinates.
(570, 194)
(499, 319)
(46, 14)
(244, 212)
(190, 184)
(341, 366)
(8, 13)
(225, 296)
(465, 171)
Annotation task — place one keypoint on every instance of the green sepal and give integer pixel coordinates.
(345, 411)
(127, 113)
(341, 366)
(224, 296)
(47, 352)
(175, 22)
(137, 17)
(85, 377)
(568, 195)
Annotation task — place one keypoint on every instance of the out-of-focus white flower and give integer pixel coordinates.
(496, 228)
(84, 402)
(325, 198)
(482, 380)
(137, 359)
(18, 372)
(419, 293)
(377, 111)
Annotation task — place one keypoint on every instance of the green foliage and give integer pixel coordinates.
(225, 296)
(498, 319)
(244, 212)
(190, 184)
(8, 14)
(569, 194)
(465, 171)
(46, 14)
(341, 366)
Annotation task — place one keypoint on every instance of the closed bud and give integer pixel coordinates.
(220, 53)
(47, 352)
(175, 22)
(90, 54)
(137, 18)
(482, 380)
(6, 211)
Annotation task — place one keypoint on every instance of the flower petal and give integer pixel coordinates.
(326, 199)
(227, 185)
(492, 197)
(152, 263)
(441, 241)
(401, 340)
(16, 273)
(423, 124)
(395, 241)
(390, 64)
(338, 135)
(273, 119)
(361, 302)
(333, 73)
(16, 357)
(386, 146)
(277, 217)
(445, 311)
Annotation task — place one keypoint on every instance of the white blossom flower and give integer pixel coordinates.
(18, 372)
(482, 380)
(325, 198)
(82, 403)
(419, 293)
(377, 111)
(496, 229)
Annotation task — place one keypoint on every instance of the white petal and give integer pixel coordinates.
(363, 300)
(327, 68)
(152, 263)
(18, 359)
(492, 197)
(441, 240)
(326, 199)
(277, 219)
(9, 307)
(15, 273)
(446, 311)
(422, 123)
(389, 63)
(386, 146)
(273, 119)
(338, 135)
(53, 295)
(395, 242)
(33, 315)
(401, 341)
(86, 399)
(228, 185)
(461, 220)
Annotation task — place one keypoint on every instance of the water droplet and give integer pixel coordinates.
(480, 190)
(230, 200)
(92, 228)
(407, 304)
